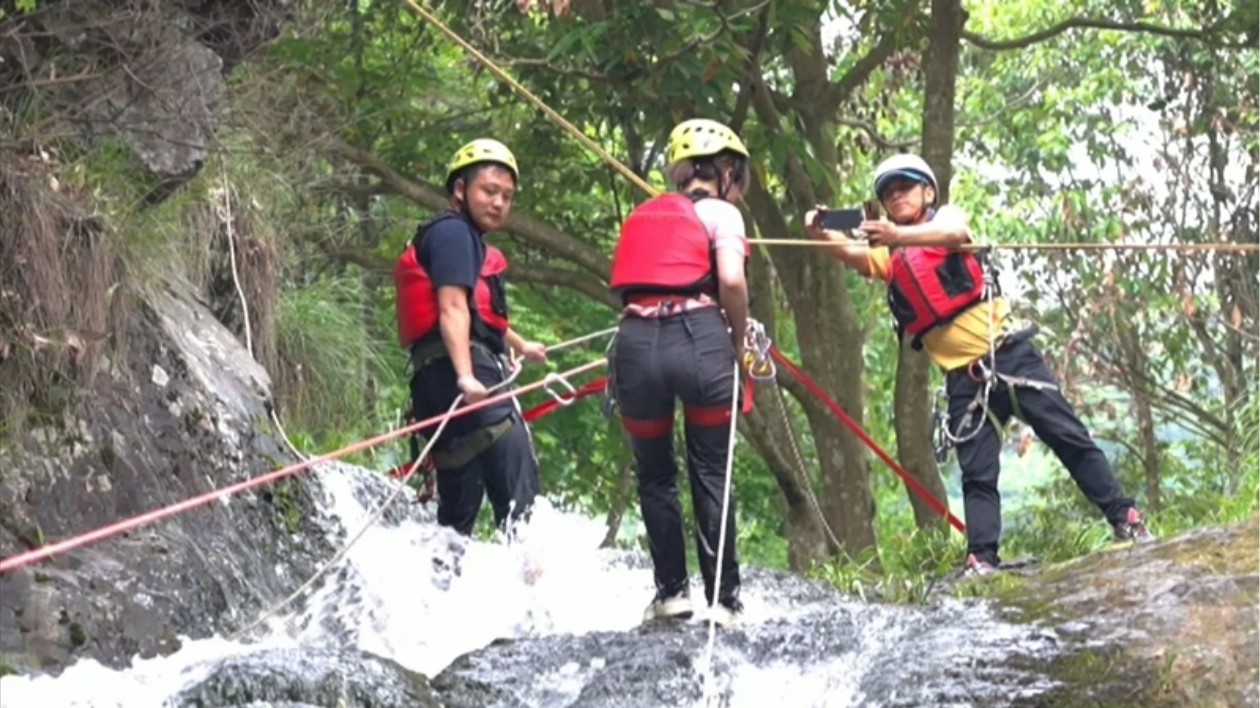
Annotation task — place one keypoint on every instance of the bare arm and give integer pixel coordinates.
(733, 294)
(948, 228)
(533, 351)
(456, 324)
(514, 340)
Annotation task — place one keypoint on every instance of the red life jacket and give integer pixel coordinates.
(663, 247)
(931, 285)
(416, 303)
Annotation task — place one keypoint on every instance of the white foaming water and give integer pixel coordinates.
(412, 592)
(423, 595)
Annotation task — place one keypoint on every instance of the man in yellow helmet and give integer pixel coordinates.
(679, 270)
(451, 303)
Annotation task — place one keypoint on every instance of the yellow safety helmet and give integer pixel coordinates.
(481, 150)
(699, 137)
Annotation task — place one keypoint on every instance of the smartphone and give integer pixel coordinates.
(840, 219)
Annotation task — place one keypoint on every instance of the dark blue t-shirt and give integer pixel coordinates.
(451, 252)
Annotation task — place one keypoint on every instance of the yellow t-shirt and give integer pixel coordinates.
(961, 340)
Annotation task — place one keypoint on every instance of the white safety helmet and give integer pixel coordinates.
(905, 166)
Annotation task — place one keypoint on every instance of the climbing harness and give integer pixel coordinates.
(757, 360)
(983, 371)
(480, 440)
(468, 447)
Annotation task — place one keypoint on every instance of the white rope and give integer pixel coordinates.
(376, 513)
(580, 340)
(275, 420)
(372, 519)
(236, 278)
(756, 340)
(717, 572)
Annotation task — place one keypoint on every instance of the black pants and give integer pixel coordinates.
(688, 357)
(1054, 421)
(507, 471)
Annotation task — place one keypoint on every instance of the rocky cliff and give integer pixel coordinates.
(124, 393)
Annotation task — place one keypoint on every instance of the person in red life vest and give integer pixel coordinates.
(451, 303)
(938, 295)
(679, 270)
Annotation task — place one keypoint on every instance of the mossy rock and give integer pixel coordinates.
(1167, 623)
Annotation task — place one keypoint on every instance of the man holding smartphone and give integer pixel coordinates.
(939, 295)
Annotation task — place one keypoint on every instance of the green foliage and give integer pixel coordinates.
(909, 567)
(330, 357)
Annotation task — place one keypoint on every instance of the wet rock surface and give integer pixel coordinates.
(178, 412)
(1170, 623)
(825, 649)
(309, 677)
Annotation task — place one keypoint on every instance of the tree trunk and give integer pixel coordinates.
(1150, 450)
(913, 423)
(912, 401)
(830, 345)
(769, 431)
(617, 510)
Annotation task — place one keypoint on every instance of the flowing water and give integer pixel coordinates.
(423, 597)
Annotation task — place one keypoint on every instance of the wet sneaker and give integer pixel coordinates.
(676, 606)
(1133, 528)
(726, 612)
(976, 567)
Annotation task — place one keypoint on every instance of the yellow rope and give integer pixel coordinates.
(652, 191)
(516, 86)
(1227, 246)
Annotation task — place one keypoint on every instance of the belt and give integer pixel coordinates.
(471, 445)
(666, 305)
(425, 352)
(1006, 337)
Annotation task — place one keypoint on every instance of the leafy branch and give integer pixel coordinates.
(533, 230)
(1001, 45)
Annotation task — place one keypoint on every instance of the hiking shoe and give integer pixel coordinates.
(976, 567)
(726, 612)
(676, 606)
(1133, 528)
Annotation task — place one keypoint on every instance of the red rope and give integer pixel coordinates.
(21, 559)
(550, 405)
(911, 482)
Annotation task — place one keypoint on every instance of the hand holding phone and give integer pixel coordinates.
(839, 219)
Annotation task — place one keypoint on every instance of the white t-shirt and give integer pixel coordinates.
(724, 223)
